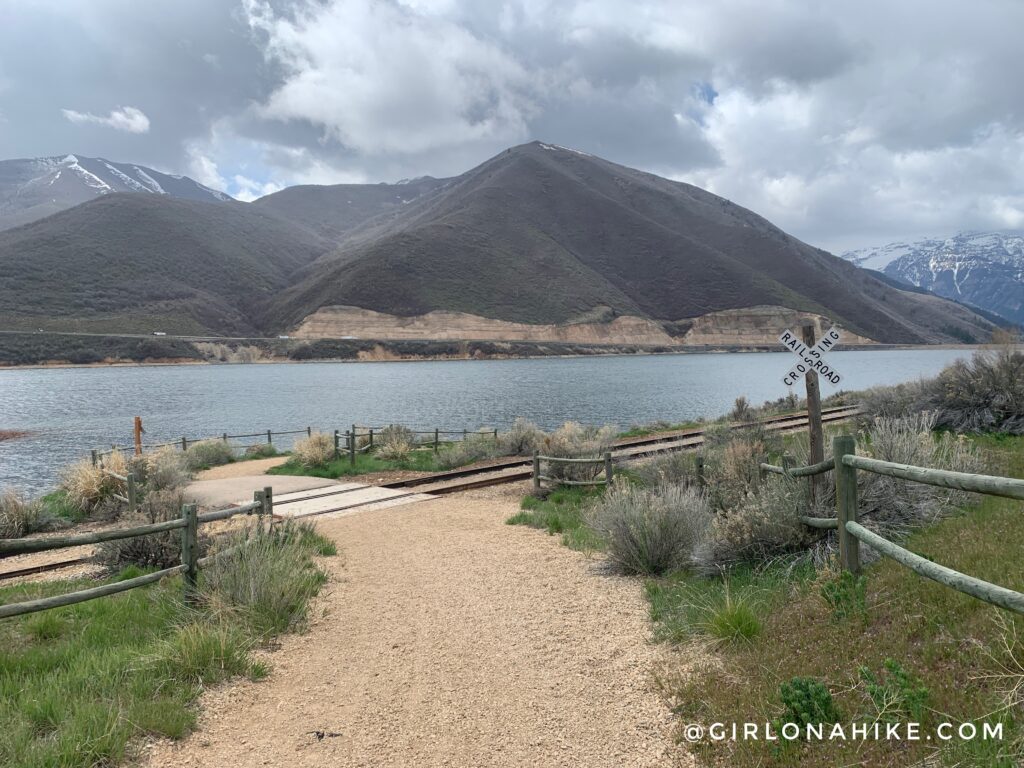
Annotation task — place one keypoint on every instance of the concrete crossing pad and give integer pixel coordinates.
(342, 499)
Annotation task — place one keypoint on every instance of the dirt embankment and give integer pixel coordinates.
(734, 327)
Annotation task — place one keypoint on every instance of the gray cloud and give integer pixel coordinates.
(843, 124)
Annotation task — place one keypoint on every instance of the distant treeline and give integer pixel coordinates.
(40, 348)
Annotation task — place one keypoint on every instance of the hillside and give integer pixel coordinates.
(142, 263)
(538, 244)
(542, 234)
(335, 210)
(31, 189)
(983, 269)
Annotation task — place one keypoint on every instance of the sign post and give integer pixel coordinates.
(812, 364)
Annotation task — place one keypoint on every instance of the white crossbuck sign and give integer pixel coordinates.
(812, 359)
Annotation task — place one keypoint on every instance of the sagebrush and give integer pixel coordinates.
(317, 450)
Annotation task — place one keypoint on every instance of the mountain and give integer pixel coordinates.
(544, 234)
(130, 263)
(983, 269)
(335, 210)
(34, 188)
(539, 243)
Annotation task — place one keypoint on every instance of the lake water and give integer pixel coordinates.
(70, 410)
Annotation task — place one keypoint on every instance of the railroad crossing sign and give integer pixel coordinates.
(812, 359)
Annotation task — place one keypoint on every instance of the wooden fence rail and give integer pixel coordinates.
(188, 523)
(845, 462)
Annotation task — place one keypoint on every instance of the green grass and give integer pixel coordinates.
(944, 643)
(561, 513)
(653, 429)
(366, 463)
(81, 685)
(57, 504)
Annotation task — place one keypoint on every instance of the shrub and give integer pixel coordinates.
(762, 525)
(395, 433)
(208, 453)
(892, 402)
(675, 468)
(394, 450)
(87, 486)
(806, 701)
(984, 394)
(522, 439)
(731, 618)
(317, 450)
(268, 582)
(846, 595)
(741, 410)
(650, 532)
(475, 447)
(897, 695)
(18, 516)
(573, 440)
(891, 505)
(156, 550)
(164, 470)
(262, 451)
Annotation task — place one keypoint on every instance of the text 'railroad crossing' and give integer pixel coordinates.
(812, 359)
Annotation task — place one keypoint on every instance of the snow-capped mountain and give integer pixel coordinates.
(33, 188)
(984, 269)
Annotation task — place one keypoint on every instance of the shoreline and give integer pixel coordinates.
(716, 350)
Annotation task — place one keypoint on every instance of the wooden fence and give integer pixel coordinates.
(262, 505)
(97, 454)
(538, 477)
(846, 463)
(350, 438)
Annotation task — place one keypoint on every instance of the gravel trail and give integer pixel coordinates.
(448, 638)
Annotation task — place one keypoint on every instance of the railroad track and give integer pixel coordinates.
(517, 469)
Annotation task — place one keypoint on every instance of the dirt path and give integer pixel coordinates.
(449, 639)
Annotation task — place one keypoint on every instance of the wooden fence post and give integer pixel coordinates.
(95, 457)
(132, 492)
(257, 498)
(190, 551)
(608, 474)
(371, 439)
(495, 435)
(270, 438)
(698, 462)
(464, 433)
(536, 471)
(268, 505)
(352, 446)
(816, 437)
(336, 451)
(436, 433)
(309, 431)
(137, 434)
(846, 502)
(224, 437)
(184, 443)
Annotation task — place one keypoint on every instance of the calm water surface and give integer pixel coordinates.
(68, 411)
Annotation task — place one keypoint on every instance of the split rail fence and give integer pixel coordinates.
(262, 506)
(846, 463)
(348, 440)
(98, 455)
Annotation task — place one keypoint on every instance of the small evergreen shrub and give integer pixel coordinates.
(807, 701)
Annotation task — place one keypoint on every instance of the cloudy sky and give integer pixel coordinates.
(846, 124)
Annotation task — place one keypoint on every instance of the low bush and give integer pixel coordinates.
(573, 440)
(164, 470)
(651, 532)
(208, 453)
(476, 447)
(676, 468)
(261, 451)
(741, 410)
(807, 701)
(984, 394)
(523, 438)
(87, 486)
(317, 450)
(396, 433)
(896, 695)
(19, 516)
(268, 582)
(395, 450)
(157, 550)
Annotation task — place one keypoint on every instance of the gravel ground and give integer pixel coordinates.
(448, 638)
